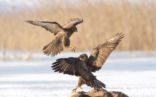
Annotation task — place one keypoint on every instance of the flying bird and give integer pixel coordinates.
(83, 66)
(62, 34)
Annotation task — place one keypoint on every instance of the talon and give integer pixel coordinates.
(74, 90)
(73, 48)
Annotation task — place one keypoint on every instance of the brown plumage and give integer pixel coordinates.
(62, 34)
(83, 66)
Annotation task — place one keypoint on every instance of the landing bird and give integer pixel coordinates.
(62, 34)
(83, 66)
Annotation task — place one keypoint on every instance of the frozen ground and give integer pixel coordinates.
(133, 73)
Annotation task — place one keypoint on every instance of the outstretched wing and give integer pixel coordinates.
(74, 66)
(72, 22)
(53, 27)
(101, 52)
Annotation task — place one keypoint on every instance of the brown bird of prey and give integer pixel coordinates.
(62, 34)
(83, 66)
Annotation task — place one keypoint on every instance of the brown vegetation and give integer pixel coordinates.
(101, 21)
(95, 93)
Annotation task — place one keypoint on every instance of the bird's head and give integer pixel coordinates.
(83, 57)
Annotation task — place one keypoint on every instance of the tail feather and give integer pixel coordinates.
(53, 48)
(96, 84)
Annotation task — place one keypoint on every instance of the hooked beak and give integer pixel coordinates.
(76, 30)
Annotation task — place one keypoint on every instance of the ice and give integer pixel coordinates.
(133, 73)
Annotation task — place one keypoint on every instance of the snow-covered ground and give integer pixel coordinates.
(133, 73)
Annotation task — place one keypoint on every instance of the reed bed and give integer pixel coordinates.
(101, 21)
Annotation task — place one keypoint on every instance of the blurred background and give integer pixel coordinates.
(26, 72)
(102, 19)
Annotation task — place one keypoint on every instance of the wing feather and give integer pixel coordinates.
(72, 22)
(67, 65)
(53, 27)
(74, 66)
(101, 52)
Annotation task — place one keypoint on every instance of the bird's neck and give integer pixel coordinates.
(69, 32)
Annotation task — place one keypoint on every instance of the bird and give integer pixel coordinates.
(62, 34)
(83, 65)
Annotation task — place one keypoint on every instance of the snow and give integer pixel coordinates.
(133, 73)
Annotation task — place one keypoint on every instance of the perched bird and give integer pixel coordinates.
(62, 34)
(83, 66)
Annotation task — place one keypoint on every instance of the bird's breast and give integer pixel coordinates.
(59, 35)
(69, 33)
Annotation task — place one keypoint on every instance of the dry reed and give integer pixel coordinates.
(101, 21)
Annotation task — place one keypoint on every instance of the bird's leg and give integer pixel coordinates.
(74, 90)
(80, 83)
(72, 47)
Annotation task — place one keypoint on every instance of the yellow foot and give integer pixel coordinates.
(74, 90)
(73, 48)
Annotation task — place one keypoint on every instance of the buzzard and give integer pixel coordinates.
(83, 66)
(62, 34)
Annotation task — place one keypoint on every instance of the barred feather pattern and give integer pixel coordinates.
(100, 54)
(53, 48)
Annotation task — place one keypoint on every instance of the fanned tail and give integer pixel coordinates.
(53, 48)
(96, 84)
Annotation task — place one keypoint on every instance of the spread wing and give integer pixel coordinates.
(72, 22)
(74, 66)
(53, 27)
(101, 52)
